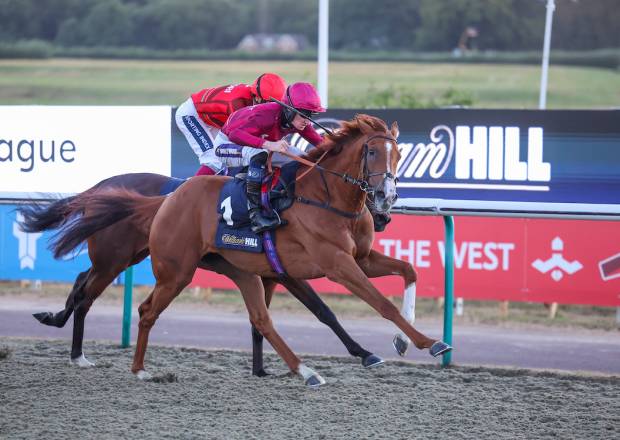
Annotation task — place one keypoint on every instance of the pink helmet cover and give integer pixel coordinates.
(302, 95)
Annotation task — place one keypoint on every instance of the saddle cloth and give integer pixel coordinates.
(233, 231)
(171, 185)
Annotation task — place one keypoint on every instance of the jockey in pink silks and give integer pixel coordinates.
(252, 132)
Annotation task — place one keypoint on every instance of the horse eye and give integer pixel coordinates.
(371, 153)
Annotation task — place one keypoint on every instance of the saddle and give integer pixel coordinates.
(233, 230)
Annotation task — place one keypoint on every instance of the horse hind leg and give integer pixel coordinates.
(93, 286)
(59, 319)
(149, 311)
(258, 368)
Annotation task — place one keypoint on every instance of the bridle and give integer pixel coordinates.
(364, 185)
(362, 182)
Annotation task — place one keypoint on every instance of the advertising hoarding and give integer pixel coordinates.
(538, 260)
(553, 163)
(65, 150)
(524, 163)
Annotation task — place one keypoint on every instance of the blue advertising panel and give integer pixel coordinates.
(26, 256)
(552, 163)
(501, 162)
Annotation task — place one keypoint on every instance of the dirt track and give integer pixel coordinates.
(210, 394)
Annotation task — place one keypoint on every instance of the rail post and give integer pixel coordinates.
(127, 301)
(448, 305)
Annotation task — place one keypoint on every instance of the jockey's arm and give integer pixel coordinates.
(250, 132)
(243, 136)
(311, 135)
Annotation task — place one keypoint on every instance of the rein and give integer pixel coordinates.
(361, 183)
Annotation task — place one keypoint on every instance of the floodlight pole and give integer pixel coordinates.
(323, 49)
(542, 100)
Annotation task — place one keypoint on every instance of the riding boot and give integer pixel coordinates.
(260, 222)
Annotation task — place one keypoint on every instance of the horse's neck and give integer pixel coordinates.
(342, 195)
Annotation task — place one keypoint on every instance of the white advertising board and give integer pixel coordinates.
(66, 150)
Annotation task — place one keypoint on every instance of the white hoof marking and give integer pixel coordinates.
(408, 309)
(307, 373)
(143, 375)
(82, 362)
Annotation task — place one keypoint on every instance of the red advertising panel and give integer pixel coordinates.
(539, 260)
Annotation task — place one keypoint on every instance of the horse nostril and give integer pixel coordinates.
(381, 194)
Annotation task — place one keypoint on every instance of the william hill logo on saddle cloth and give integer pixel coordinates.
(233, 230)
(234, 240)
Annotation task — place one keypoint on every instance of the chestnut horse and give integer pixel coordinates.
(115, 248)
(329, 233)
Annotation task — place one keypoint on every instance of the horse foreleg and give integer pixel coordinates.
(302, 290)
(260, 319)
(344, 270)
(377, 265)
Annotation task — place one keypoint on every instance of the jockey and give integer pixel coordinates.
(201, 117)
(252, 132)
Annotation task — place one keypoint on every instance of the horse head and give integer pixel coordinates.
(367, 152)
(380, 158)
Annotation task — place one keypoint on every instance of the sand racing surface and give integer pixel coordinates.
(211, 394)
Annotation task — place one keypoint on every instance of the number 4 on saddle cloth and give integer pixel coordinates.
(233, 231)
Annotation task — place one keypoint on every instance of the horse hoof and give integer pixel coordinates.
(315, 381)
(311, 377)
(82, 362)
(372, 361)
(262, 373)
(43, 317)
(143, 375)
(400, 345)
(439, 348)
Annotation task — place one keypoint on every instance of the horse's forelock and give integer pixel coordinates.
(348, 130)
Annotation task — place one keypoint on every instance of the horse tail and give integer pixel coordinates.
(101, 209)
(40, 216)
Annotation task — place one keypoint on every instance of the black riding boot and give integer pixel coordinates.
(260, 222)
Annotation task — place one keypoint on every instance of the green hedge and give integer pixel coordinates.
(603, 58)
(26, 49)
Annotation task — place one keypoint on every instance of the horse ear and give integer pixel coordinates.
(394, 130)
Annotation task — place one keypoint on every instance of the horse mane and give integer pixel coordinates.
(348, 129)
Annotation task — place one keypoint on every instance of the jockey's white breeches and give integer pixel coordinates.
(200, 136)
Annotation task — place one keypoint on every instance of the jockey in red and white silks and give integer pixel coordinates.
(201, 117)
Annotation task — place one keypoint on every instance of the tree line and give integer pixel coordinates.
(412, 25)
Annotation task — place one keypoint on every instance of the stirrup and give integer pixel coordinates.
(260, 228)
(261, 223)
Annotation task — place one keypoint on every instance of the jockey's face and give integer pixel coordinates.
(258, 100)
(299, 122)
